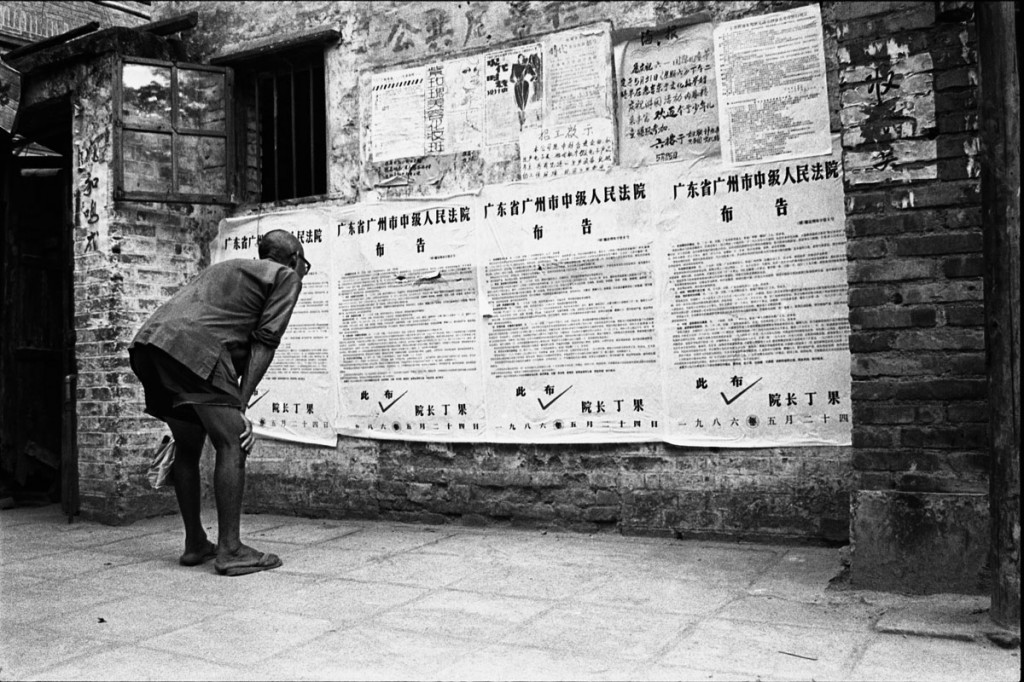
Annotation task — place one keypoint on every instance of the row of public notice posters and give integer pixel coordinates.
(686, 285)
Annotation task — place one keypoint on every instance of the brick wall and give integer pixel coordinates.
(23, 22)
(909, 89)
(914, 228)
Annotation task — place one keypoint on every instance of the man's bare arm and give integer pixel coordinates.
(260, 357)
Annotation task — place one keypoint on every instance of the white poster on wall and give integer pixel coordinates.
(400, 123)
(693, 304)
(578, 75)
(772, 91)
(752, 305)
(296, 400)
(407, 316)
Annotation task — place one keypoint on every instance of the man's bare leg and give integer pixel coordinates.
(188, 447)
(224, 426)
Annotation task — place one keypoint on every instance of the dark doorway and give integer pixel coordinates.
(38, 460)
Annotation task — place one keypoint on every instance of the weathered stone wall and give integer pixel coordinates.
(903, 92)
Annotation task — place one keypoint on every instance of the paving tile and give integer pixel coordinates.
(68, 563)
(369, 653)
(303, 533)
(241, 637)
(388, 540)
(162, 576)
(145, 547)
(767, 651)
(12, 552)
(823, 614)
(464, 615)
(52, 601)
(899, 657)
(326, 560)
(137, 663)
(665, 673)
(348, 602)
(519, 578)
(666, 595)
(497, 546)
(132, 619)
(272, 590)
(504, 662)
(11, 581)
(26, 650)
(414, 568)
(798, 570)
(593, 630)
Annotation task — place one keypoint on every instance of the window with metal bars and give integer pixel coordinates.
(291, 125)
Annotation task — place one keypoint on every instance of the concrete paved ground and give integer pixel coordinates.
(376, 600)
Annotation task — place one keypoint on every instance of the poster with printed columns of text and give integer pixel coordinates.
(296, 400)
(752, 304)
(569, 310)
(772, 89)
(698, 305)
(408, 319)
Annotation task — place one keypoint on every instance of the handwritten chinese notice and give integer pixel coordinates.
(398, 129)
(698, 304)
(567, 150)
(667, 96)
(296, 400)
(772, 93)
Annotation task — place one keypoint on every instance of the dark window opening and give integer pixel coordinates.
(291, 124)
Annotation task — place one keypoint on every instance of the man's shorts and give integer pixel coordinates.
(172, 388)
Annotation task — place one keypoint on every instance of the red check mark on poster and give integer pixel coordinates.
(730, 401)
(552, 402)
(385, 409)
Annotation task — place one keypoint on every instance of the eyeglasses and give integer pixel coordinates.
(305, 263)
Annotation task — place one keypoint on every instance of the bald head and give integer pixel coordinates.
(279, 246)
(282, 247)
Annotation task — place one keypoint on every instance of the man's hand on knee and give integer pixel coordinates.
(247, 437)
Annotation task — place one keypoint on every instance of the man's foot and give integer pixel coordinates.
(244, 561)
(195, 557)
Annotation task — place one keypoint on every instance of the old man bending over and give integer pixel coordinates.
(200, 357)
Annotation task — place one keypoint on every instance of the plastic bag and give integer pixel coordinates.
(159, 473)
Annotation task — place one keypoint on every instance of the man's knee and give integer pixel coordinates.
(223, 424)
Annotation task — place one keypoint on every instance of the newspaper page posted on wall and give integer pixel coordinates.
(296, 400)
(408, 318)
(668, 96)
(694, 304)
(397, 101)
(753, 305)
(772, 91)
(568, 286)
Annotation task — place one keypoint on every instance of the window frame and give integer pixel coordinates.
(284, 63)
(227, 134)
